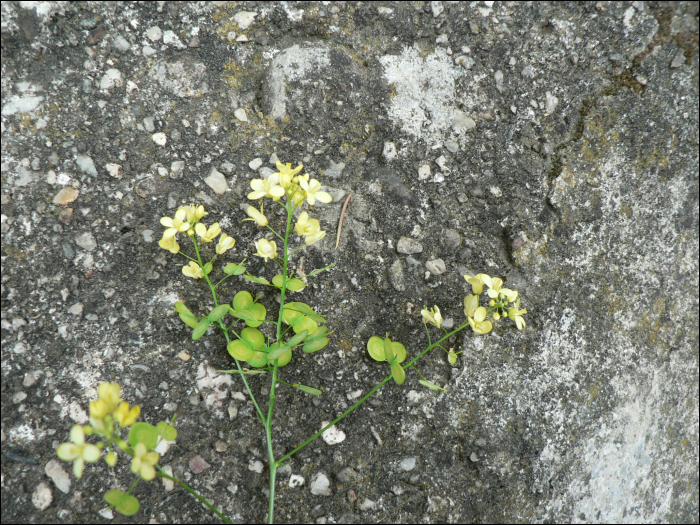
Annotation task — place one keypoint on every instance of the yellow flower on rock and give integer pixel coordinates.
(125, 416)
(266, 188)
(478, 281)
(143, 461)
(208, 235)
(313, 239)
(517, 315)
(176, 225)
(193, 270)
(494, 287)
(286, 173)
(170, 244)
(306, 226)
(193, 212)
(225, 243)
(313, 192)
(78, 451)
(266, 249)
(108, 399)
(476, 315)
(256, 216)
(432, 316)
(309, 228)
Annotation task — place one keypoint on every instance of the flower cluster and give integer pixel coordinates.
(503, 302)
(187, 220)
(109, 413)
(296, 189)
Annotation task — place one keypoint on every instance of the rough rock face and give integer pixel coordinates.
(301, 80)
(552, 144)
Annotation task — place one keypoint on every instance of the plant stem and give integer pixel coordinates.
(194, 493)
(268, 423)
(367, 396)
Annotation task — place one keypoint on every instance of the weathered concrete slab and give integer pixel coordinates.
(552, 144)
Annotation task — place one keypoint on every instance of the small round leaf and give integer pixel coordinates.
(375, 347)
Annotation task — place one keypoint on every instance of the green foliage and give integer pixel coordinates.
(124, 503)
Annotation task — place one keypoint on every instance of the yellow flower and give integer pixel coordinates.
(193, 270)
(170, 244)
(176, 225)
(111, 458)
(256, 216)
(286, 173)
(476, 315)
(125, 416)
(494, 287)
(78, 451)
(266, 249)
(266, 188)
(143, 461)
(517, 315)
(432, 316)
(313, 239)
(193, 212)
(478, 282)
(225, 243)
(108, 399)
(207, 235)
(306, 226)
(313, 192)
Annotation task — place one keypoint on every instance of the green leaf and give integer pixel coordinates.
(258, 280)
(217, 313)
(304, 324)
(276, 352)
(141, 432)
(253, 337)
(308, 389)
(234, 269)
(297, 339)
(189, 319)
(242, 300)
(389, 350)
(167, 431)
(207, 268)
(181, 308)
(431, 385)
(201, 329)
(306, 310)
(240, 350)
(398, 373)
(399, 350)
(124, 503)
(315, 345)
(293, 284)
(315, 272)
(375, 347)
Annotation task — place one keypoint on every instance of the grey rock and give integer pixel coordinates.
(396, 276)
(345, 475)
(436, 266)
(407, 246)
(86, 164)
(452, 239)
(335, 170)
(288, 87)
(184, 77)
(320, 485)
(86, 241)
(217, 182)
(408, 464)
